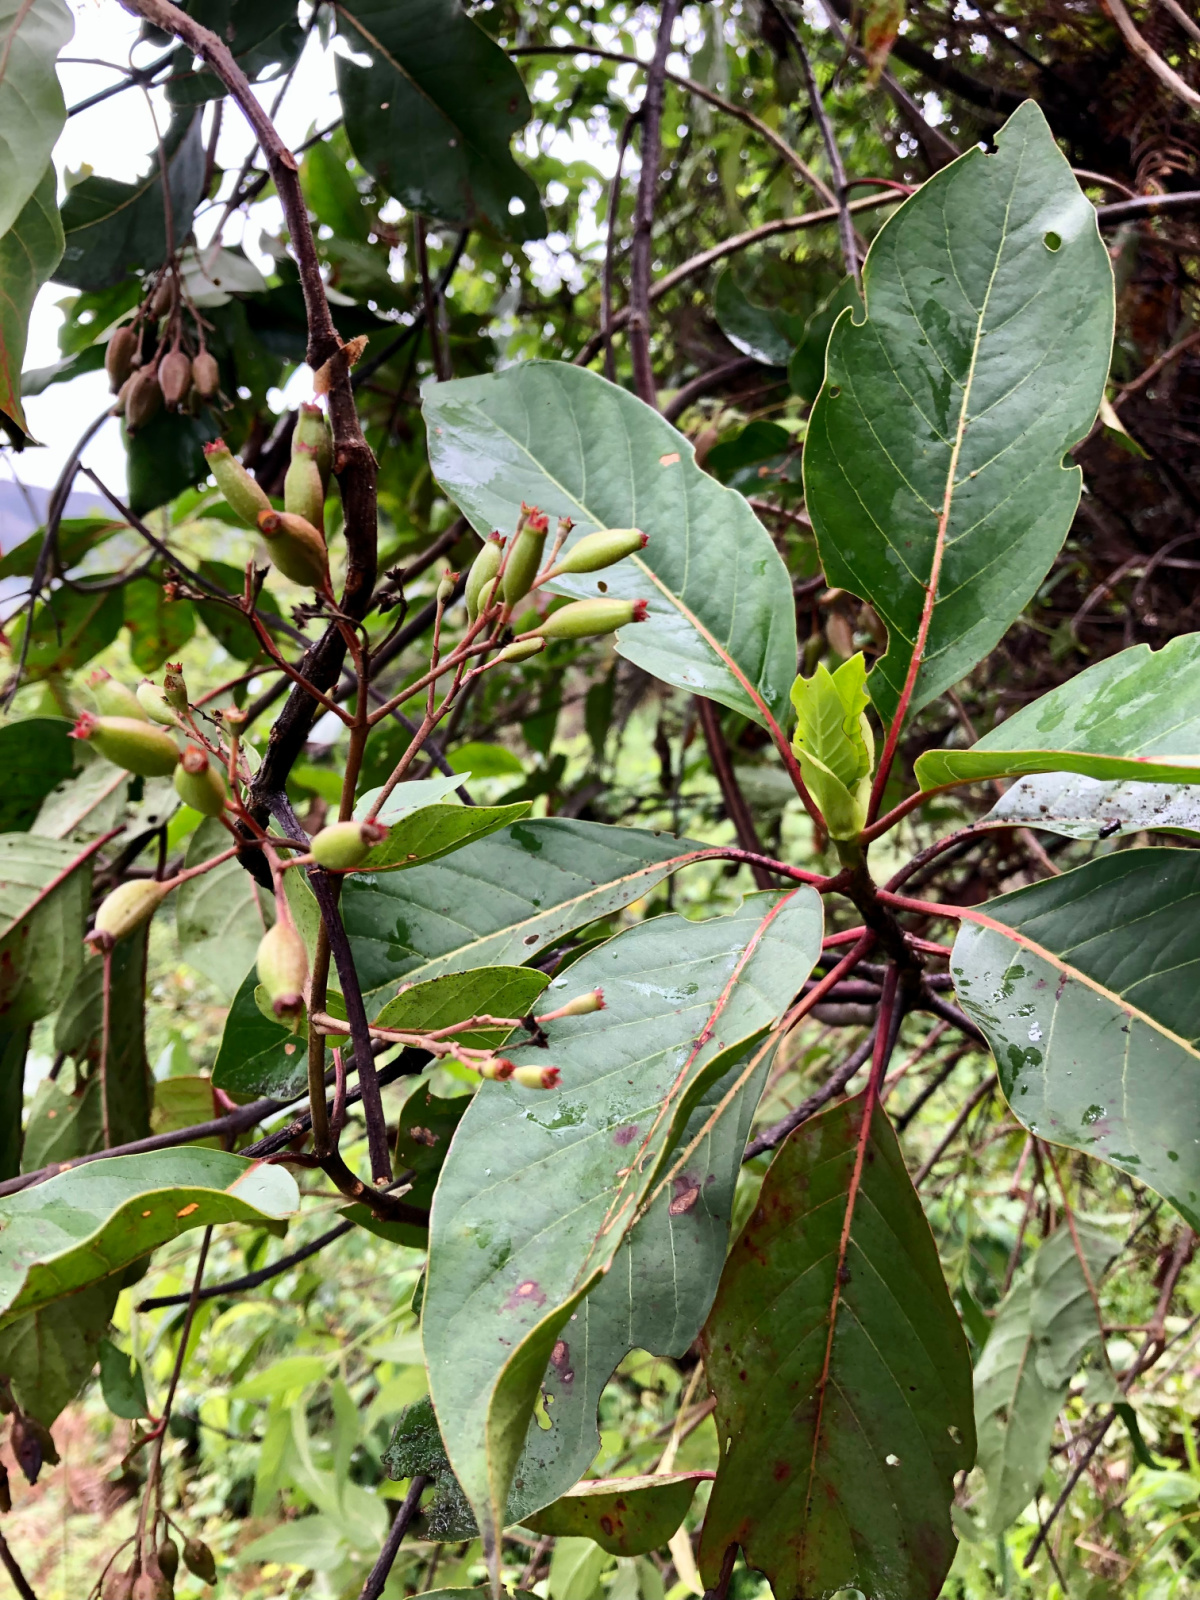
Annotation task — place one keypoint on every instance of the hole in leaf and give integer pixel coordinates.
(1052, 240)
(834, 392)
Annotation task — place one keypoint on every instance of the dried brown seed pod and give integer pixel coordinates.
(174, 377)
(142, 398)
(206, 374)
(118, 357)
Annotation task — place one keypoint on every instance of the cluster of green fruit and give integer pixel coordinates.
(152, 1577)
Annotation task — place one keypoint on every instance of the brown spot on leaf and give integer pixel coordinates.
(528, 1293)
(625, 1135)
(687, 1192)
(781, 1470)
(425, 1136)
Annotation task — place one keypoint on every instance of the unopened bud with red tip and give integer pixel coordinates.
(153, 702)
(303, 486)
(128, 907)
(483, 570)
(343, 845)
(582, 1005)
(199, 783)
(531, 1077)
(137, 746)
(174, 687)
(312, 433)
(588, 619)
(526, 555)
(244, 495)
(499, 1068)
(113, 698)
(283, 969)
(521, 650)
(296, 548)
(595, 551)
(445, 588)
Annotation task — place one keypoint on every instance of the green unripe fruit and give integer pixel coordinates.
(588, 619)
(483, 569)
(113, 698)
(174, 688)
(445, 588)
(344, 844)
(303, 490)
(168, 1557)
(137, 746)
(525, 558)
(522, 649)
(199, 783)
(244, 495)
(296, 548)
(129, 906)
(153, 703)
(118, 357)
(283, 970)
(199, 1561)
(206, 375)
(595, 551)
(312, 433)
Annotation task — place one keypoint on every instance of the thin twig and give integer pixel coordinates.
(736, 808)
(643, 216)
(23, 1586)
(1150, 58)
(378, 1576)
(251, 1280)
(986, 1088)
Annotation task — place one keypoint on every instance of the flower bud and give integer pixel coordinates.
(582, 1005)
(168, 1557)
(118, 356)
(303, 490)
(174, 687)
(198, 1559)
(142, 398)
(521, 649)
(445, 588)
(137, 746)
(113, 698)
(283, 970)
(129, 906)
(483, 569)
(296, 548)
(531, 1077)
(312, 433)
(525, 557)
(206, 375)
(588, 619)
(174, 377)
(343, 845)
(496, 1067)
(598, 550)
(244, 495)
(153, 703)
(199, 783)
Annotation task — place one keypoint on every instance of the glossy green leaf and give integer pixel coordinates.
(49, 1354)
(68, 630)
(36, 755)
(981, 361)
(409, 797)
(121, 1383)
(124, 1111)
(455, 996)
(564, 439)
(330, 191)
(1093, 808)
(502, 901)
(433, 115)
(91, 1222)
(32, 110)
(568, 1170)
(76, 536)
(158, 628)
(806, 369)
(1084, 987)
(220, 916)
(29, 253)
(258, 1056)
(759, 331)
(1135, 717)
(435, 831)
(45, 886)
(841, 1376)
(61, 1126)
(625, 1516)
(426, 1127)
(115, 228)
(166, 456)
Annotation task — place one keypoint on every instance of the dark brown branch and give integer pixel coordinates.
(1148, 205)
(705, 382)
(20, 1581)
(610, 248)
(250, 1280)
(378, 1576)
(772, 1137)
(736, 808)
(985, 1089)
(643, 217)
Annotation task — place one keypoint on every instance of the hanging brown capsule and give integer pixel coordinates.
(143, 396)
(164, 296)
(174, 377)
(118, 1585)
(168, 1556)
(206, 375)
(118, 357)
(199, 1560)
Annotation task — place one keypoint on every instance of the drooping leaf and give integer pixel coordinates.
(625, 1516)
(935, 450)
(1093, 808)
(409, 797)
(433, 115)
(36, 755)
(45, 885)
(158, 628)
(568, 1170)
(76, 536)
(1084, 988)
(114, 228)
(1135, 717)
(29, 253)
(564, 439)
(32, 110)
(435, 831)
(501, 901)
(89, 1223)
(125, 1108)
(121, 1383)
(763, 332)
(97, 799)
(48, 1355)
(841, 1375)
(455, 996)
(68, 629)
(182, 1103)
(1062, 1311)
(220, 916)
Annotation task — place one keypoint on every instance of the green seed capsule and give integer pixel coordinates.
(296, 548)
(168, 1557)
(312, 433)
(595, 551)
(588, 619)
(199, 1560)
(244, 495)
(522, 649)
(283, 970)
(199, 783)
(153, 702)
(174, 687)
(525, 558)
(113, 698)
(129, 906)
(483, 569)
(303, 490)
(137, 746)
(532, 1077)
(343, 845)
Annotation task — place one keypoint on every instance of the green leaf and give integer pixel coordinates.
(49, 1355)
(76, 536)
(841, 1375)
(330, 191)
(758, 331)
(113, 228)
(427, 1125)
(981, 361)
(1135, 716)
(121, 1383)
(61, 1126)
(158, 627)
(45, 887)
(409, 797)
(1090, 808)
(503, 900)
(91, 1222)
(1062, 1312)
(68, 629)
(226, 625)
(479, 760)
(455, 996)
(32, 110)
(1081, 986)
(258, 1056)
(29, 253)
(625, 1516)
(259, 33)
(166, 456)
(78, 1030)
(435, 831)
(806, 369)
(834, 743)
(563, 438)
(220, 916)
(35, 756)
(433, 114)
(569, 1170)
